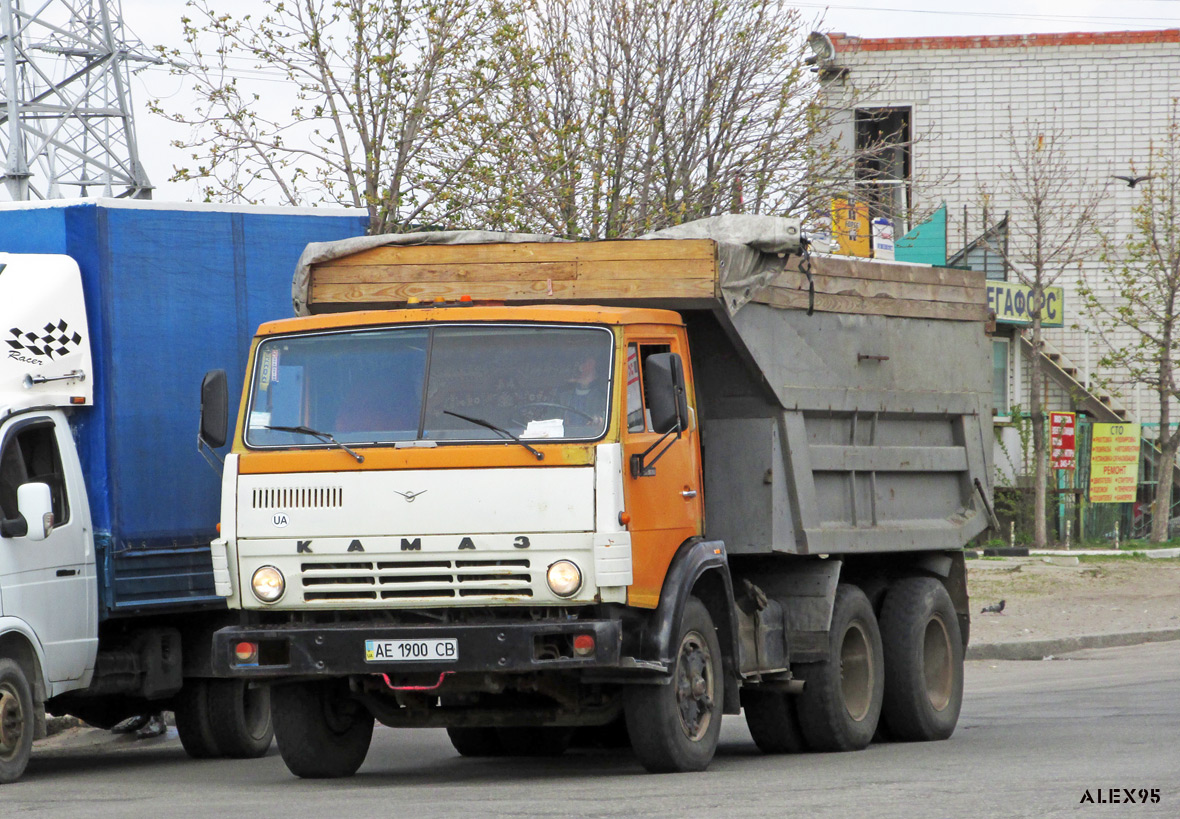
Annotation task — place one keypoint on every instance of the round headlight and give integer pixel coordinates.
(564, 578)
(268, 584)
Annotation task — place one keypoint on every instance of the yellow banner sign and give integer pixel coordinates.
(1114, 463)
(850, 228)
(1012, 304)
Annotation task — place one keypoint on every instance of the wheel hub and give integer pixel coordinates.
(937, 662)
(12, 724)
(694, 686)
(856, 672)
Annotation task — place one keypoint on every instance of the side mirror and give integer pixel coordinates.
(666, 395)
(35, 502)
(214, 409)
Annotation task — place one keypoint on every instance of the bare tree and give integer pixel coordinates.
(1052, 229)
(1144, 269)
(395, 106)
(647, 113)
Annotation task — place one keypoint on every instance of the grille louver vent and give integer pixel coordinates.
(421, 579)
(299, 497)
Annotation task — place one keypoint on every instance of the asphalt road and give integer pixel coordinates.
(1034, 737)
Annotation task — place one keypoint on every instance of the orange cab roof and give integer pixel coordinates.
(550, 313)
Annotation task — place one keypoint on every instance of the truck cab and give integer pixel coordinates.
(48, 592)
(460, 456)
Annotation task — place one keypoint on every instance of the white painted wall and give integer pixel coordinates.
(1111, 101)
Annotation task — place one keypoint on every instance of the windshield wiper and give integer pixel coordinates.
(323, 436)
(540, 455)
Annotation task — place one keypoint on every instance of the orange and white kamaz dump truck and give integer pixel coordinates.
(532, 490)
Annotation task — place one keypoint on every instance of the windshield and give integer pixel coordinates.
(473, 382)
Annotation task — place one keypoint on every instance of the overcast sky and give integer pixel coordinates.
(158, 22)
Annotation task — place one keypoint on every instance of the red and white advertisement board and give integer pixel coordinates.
(1063, 440)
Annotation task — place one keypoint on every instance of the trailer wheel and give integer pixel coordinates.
(923, 661)
(193, 722)
(674, 727)
(321, 731)
(239, 714)
(841, 700)
(476, 742)
(773, 723)
(535, 740)
(17, 721)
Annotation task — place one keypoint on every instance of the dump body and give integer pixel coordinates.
(861, 426)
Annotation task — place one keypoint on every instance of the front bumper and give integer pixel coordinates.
(339, 649)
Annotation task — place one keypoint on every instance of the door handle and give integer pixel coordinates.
(688, 494)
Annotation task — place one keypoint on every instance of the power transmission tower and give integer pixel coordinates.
(66, 127)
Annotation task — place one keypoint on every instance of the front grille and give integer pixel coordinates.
(299, 497)
(434, 579)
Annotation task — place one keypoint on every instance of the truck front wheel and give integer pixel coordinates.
(674, 727)
(17, 721)
(841, 700)
(240, 717)
(923, 661)
(321, 731)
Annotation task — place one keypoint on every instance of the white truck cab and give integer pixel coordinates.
(48, 593)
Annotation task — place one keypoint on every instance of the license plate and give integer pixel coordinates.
(445, 649)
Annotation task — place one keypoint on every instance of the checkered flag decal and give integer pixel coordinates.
(55, 340)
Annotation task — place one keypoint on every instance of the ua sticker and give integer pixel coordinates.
(280, 520)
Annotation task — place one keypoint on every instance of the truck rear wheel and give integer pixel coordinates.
(674, 727)
(923, 661)
(17, 721)
(239, 714)
(476, 742)
(773, 723)
(322, 733)
(193, 723)
(535, 740)
(841, 700)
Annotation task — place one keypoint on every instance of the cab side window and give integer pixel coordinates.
(638, 419)
(30, 455)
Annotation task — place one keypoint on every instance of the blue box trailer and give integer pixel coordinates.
(172, 291)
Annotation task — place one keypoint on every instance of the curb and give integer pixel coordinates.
(1156, 553)
(1041, 649)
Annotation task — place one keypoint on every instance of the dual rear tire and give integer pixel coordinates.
(900, 675)
(923, 661)
(842, 695)
(224, 718)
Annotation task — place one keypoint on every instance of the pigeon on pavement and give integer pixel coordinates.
(994, 608)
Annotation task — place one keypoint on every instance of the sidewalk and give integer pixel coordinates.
(1056, 603)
